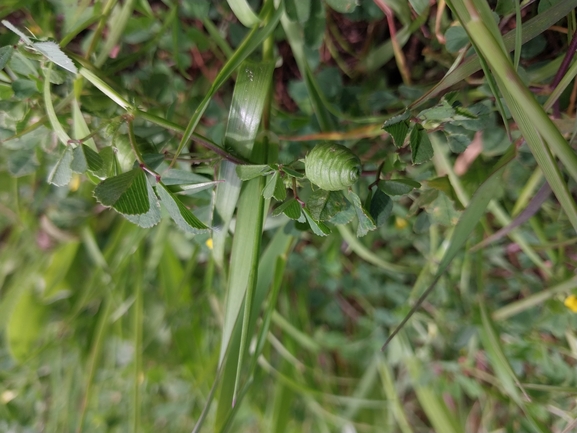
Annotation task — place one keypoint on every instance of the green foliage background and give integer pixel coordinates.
(120, 309)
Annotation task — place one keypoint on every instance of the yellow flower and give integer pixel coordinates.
(571, 303)
(208, 243)
(401, 223)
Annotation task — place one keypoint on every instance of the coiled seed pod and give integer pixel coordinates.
(332, 167)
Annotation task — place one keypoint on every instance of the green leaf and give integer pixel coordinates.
(279, 189)
(108, 163)
(62, 173)
(324, 205)
(6, 91)
(51, 50)
(182, 177)
(366, 223)
(420, 6)
(345, 216)
(5, 55)
(298, 10)
(443, 184)
(183, 217)
(85, 159)
(126, 193)
(291, 208)
(270, 186)
(252, 41)
(150, 218)
(381, 207)
(244, 13)
(318, 227)
(343, 6)
(24, 88)
(442, 211)
(458, 143)
(248, 172)
(456, 38)
(25, 326)
(292, 172)
(398, 186)
(421, 148)
(22, 162)
(398, 127)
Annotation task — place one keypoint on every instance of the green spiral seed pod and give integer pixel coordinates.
(332, 167)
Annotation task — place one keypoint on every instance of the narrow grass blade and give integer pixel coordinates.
(243, 12)
(503, 370)
(469, 219)
(533, 27)
(249, 44)
(116, 27)
(535, 300)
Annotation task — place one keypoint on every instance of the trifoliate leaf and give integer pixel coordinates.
(291, 208)
(324, 205)
(366, 223)
(153, 160)
(150, 218)
(381, 207)
(62, 173)
(5, 55)
(269, 188)
(421, 148)
(442, 211)
(398, 126)
(182, 177)
(318, 227)
(279, 189)
(183, 217)
(398, 186)
(126, 193)
(248, 172)
(52, 51)
(458, 142)
(85, 159)
(292, 172)
(22, 162)
(456, 38)
(108, 163)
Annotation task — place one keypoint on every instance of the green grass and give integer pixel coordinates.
(188, 303)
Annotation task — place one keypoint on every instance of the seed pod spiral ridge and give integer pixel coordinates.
(332, 167)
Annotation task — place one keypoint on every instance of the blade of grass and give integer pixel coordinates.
(536, 127)
(388, 384)
(138, 314)
(295, 38)
(117, 24)
(432, 403)
(244, 13)
(499, 213)
(535, 300)
(243, 270)
(462, 231)
(367, 255)
(532, 28)
(248, 45)
(503, 370)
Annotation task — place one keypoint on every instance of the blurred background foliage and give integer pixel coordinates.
(109, 327)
